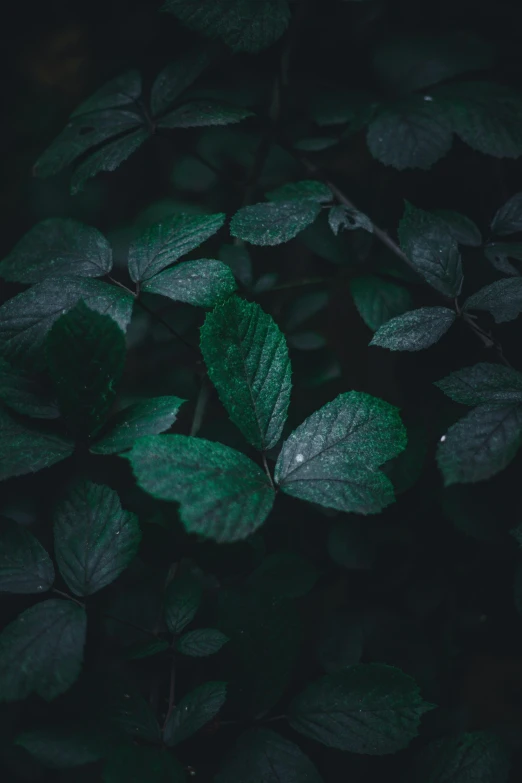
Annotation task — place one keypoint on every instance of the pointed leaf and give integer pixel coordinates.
(25, 394)
(343, 218)
(201, 114)
(25, 566)
(503, 299)
(202, 283)
(176, 77)
(148, 417)
(499, 252)
(195, 710)
(378, 300)
(462, 228)
(120, 91)
(182, 601)
(508, 219)
(27, 449)
(128, 711)
(273, 222)
(108, 158)
(309, 189)
(201, 642)
(475, 757)
(415, 330)
(142, 764)
(483, 384)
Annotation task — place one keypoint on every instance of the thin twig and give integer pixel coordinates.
(69, 597)
(201, 404)
(172, 691)
(170, 328)
(267, 470)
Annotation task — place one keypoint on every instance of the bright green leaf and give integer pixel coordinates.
(202, 283)
(182, 600)
(148, 417)
(483, 384)
(25, 566)
(274, 222)
(27, 449)
(201, 642)
(108, 158)
(200, 114)
(474, 757)
(308, 189)
(503, 299)
(415, 330)
(193, 711)
(26, 394)
(379, 300)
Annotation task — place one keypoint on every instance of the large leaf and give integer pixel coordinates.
(333, 457)
(163, 243)
(503, 299)
(26, 319)
(108, 158)
(85, 356)
(379, 300)
(123, 90)
(266, 757)
(94, 538)
(223, 494)
(244, 25)
(57, 246)
(42, 650)
(142, 764)
(508, 219)
(193, 711)
(247, 360)
(182, 600)
(415, 330)
(26, 394)
(474, 757)
(483, 384)
(200, 114)
(274, 222)
(27, 449)
(432, 250)
(25, 566)
(176, 77)
(481, 444)
(202, 283)
(61, 747)
(201, 642)
(148, 417)
(369, 708)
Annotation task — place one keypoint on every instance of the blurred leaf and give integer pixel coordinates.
(203, 113)
(193, 711)
(340, 643)
(201, 642)
(378, 300)
(62, 747)
(477, 756)
(508, 219)
(121, 91)
(25, 566)
(308, 189)
(177, 76)
(284, 574)
(108, 158)
(182, 600)
(238, 259)
(141, 764)
(25, 394)
(27, 449)
(463, 229)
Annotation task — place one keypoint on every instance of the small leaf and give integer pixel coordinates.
(462, 228)
(475, 757)
(308, 189)
(27, 449)
(25, 394)
(223, 494)
(273, 222)
(25, 566)
(202, 283)
(148, 417)
(247, 360)
(57, 246)
(128, 711)
(125, 89)
(508, 219)
(94, 538)
(503, 299)
(284, 574)
(31, 660)
(369, 708)
(378, 300)
(176, 77)
(202, 114)
(483, 384)
(333, 457)
(62, 747)
(481, 444)
(433, 251)
(142, 764)
(193, 711)
(163, 243)
(415, 330)
(498, 253)
(182, 601)
(201, 642)
(147, 649)
(343, 218)
(108, 158)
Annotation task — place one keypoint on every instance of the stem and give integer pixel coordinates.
(172, 691)
(267, 470)
(201, 404)
(69, 597)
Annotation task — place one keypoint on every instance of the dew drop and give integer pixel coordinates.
(443, 439)
(299, 458)
(40, 587)
(428, 98)
(126, 695)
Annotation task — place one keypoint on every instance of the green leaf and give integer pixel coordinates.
(202, 283)
(498, 253)
(378, 300)
(369, 708)
(503, 299)
(508, 219)
(57, 246)
(128, 711)
(200, 114)
(193, 711)
(266, 757)
(148, 417)
(343, 218)
(41, 651)
(85, 356)
(339, 106)
(475, 757)
(462, 228)
(415, 330)
(142, 764)
(481, 444)
(25, 394)
(25, 566)
(247, 360)
(26, 319)
(333, 457)
(201, 642)
(176, 77)
(62, 747)
(413, 133)
(27, 449)
(284, 574)
(147, 649)
(94, 538)
(223, 494)
(238, 259)
(123, 90)
(273, 222)
(483, 384)
(307, 189)
(433, 251)
(244, 25)
(182, 600)
(163, 243)
(108, 158)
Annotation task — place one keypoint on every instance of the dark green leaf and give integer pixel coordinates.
(148, 417)
(25, 566)
(333, 457)
(415, 330)
(238, 259)
(223, 494)
(483, 384)
(128, 711)
(147, 649)
(61, 747)
(141, 764)
(163, 243)
(369, 708)
(306, 341)
(120, 91)
(201, 642)
(284, 574)
(203, 113)
(503, 299)
(499, 252)
(25, 394)
(182, 601)
(508, 219)
(202, 283)
(341, 642)
(378, 300)
(27, 449)
(193, 711)
(349, 544)
(462, 228)
(177, 76)
(481, 444)
(342, 218)
(42, 650)
(308, 189)
(433, 251)
(263, 756)
(94, 538)
(339, 106)
(304, 307)
(475, 757)
(247, 360)
(108, 158)
(273, 222)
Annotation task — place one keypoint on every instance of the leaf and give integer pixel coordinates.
(308, 189)
(26, 319)
(284, 574)
(343, 218)
(94, 538)
(57, 246)
(481, 444)
(25, 566)
(201, 642)
(147, 649)
(27, 449)
(41, 651)
(503, 299)
(247, 360)
(201, 114)
(128, 711)
(182, 600)
(142, 764)
(25, 394)
(202, 283)
(85, 356)
(378, 300)
(163, 243)
(62, 747)
(499, 252)
(333, 457)
(462, 228)
(339, 106)
(147, 417)
(369, 708)
(273, 222)
(304, 307)
(433, 251)
(108, 158)
(238, 259)
(474, 757)
(341, 642)
(193, 711)
(413, 133)
(415, 330)
(266, 757)
(223, 494)
(483, 384)
(508, 219)
(244, 25)
(176, 77)
(123, 90)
